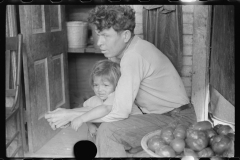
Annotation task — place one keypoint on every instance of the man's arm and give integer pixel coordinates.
(96, 113)
(61, 116)
(127, 87)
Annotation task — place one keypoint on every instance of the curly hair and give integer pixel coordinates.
(119, 17)
(106, 69)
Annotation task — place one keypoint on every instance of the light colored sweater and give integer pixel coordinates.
(148, 78)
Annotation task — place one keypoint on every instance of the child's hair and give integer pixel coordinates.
(106, 69)
(119, 17)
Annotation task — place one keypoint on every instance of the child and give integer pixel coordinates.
(103, 80)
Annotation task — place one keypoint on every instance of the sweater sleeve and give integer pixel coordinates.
(128, 85)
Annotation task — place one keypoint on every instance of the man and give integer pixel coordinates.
(148, 79)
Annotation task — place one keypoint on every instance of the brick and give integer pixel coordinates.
(138, 28)
(189, 91)
(188, 28)
(138, 8)
(140, 35)
(187, 50)
(139, 18)
(187, 18)
(186, 71)
(187, 8)
(187, 81)
(187, 39)
(187, 60)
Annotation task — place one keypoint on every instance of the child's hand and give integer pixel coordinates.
(76, 123)
(92, 130)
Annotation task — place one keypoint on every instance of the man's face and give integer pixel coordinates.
(111, 43)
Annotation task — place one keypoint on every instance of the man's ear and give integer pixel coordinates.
(127, 36)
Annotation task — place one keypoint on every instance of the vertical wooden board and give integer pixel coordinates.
(11, 21)
(200, 59)
(11, 31)
(222, 72)
(7, 78)
(220, 108)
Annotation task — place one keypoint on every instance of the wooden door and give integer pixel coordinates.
(45, 67)
(222, 65)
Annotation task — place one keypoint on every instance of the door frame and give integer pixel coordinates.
(202, 24)
(12, 29)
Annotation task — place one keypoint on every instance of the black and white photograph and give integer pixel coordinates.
(120, 81)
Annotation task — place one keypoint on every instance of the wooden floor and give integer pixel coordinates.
(61, 145)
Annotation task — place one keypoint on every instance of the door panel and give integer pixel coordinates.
(58, 86)
(55, 18)
(38, 19)
(45, 67)
(42, 87)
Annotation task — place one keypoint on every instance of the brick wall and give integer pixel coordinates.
(187, 47)
(187, 41)
(139, 27)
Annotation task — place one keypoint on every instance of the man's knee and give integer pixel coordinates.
(105, 128)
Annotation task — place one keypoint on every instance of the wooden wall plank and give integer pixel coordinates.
(200, 59)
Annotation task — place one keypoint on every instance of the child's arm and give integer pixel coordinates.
(82, 109)
(93, 115)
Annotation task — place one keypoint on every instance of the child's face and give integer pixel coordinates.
(102, 87)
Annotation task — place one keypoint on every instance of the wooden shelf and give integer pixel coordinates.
(88, 49)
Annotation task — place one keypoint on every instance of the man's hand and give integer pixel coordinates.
(58, 117)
